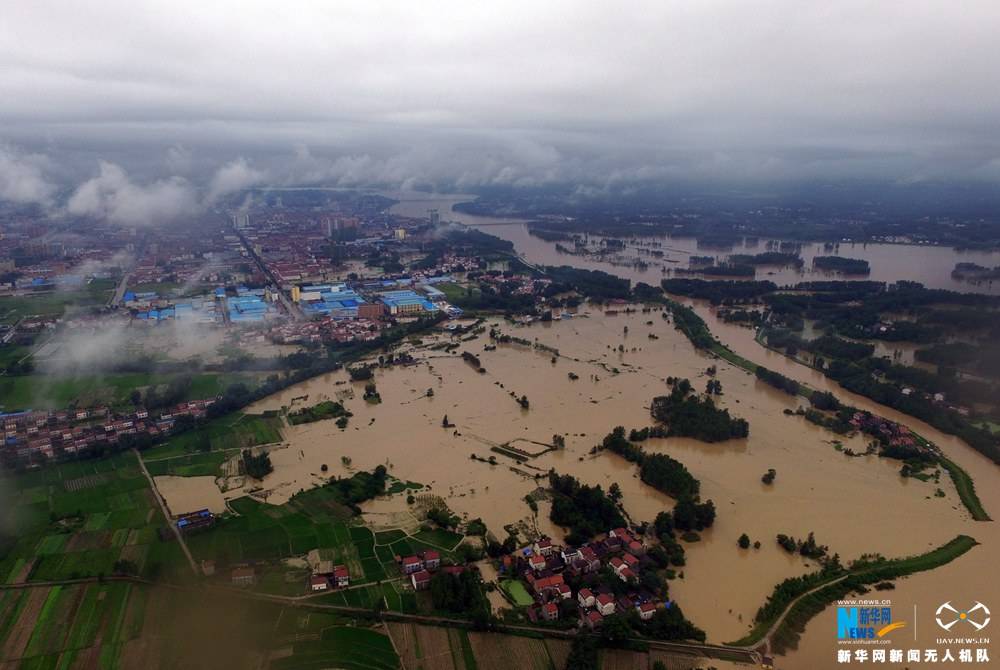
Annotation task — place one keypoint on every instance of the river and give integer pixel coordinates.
(929, 265)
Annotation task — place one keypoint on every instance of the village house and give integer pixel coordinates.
(550, 611)
(646, 611)
(605, 604)
(341, 576)
(412, 564)
(594, 619)
(318, 583)
(547, 587)
(544, 546)
(432, 559)
(585, 598)
(243, 576)
(420, 580)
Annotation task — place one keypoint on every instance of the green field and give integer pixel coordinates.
(342, 647)
(78, 519)
(54, 303)
(517, 592)
(48, 392)
(232, 431)
(439, 538)
(118, 625)
(190, 465)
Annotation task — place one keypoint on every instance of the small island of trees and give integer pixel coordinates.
(687, 415)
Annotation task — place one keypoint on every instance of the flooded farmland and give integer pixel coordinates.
(860, 522)
(855, 505)
(818, 489)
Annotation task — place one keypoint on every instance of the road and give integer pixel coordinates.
(764, 645)
(166, 513)
(119, 294)
(292, 309)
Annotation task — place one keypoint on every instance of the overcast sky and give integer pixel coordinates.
(214, 96)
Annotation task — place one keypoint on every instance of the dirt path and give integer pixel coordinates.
(166, 513)
(765, 643)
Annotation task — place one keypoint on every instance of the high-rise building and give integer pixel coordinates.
(434, 216)
(241, 220)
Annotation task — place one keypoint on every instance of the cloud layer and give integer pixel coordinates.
(513, 93)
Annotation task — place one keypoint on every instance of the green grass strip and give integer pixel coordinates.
(966, 489)
(854, 578)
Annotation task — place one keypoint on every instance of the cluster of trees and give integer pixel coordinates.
(847, 266)
(692, 325)
(359, 487)
(725, 270)
(748, 316)
(441, 517)
(256, 466)
(371, 393)
(791, 588)
(360, 373)
(643, 434)
(473, 360)
(461, 594)
(583, 654)
(585, 510)
(176, 390)
(836, 423)
(658, 470)
(719, 292)
(690, 416)
(768, 258)
(503, 298)
(825, 345)
(594, 284)
(808, 547)
(327, 409)
(777, 380)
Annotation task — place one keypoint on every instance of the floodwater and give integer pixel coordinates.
(854, 505)
(190, 494)
(818, 489)
(929, 265)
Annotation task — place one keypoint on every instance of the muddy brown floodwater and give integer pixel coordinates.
(846, 511)
(854, 505)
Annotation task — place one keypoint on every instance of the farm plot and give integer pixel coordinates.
(622, 659)
(73, 519)
(558, 651)
(342, 647)
(424, 647)
(188, 465)
(498, 652)
(21, 628)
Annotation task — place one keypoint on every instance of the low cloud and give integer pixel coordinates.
(22, 178)
(112, 196)
(233, 177)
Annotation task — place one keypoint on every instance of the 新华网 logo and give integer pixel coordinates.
(977, 616)
(865, 623)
